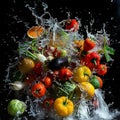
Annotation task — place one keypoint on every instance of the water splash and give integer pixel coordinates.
(84, 107)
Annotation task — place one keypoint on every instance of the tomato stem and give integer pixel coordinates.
(37, 91)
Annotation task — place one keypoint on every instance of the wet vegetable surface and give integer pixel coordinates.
(13, 26)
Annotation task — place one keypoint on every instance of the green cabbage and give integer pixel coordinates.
(16, 107)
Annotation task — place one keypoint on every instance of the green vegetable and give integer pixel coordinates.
(107, 50)
(29, 49)
(16, 107)
(95, 82)
(66, 89)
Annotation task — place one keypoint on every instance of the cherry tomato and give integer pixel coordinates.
(38, 68)
(47, 82)
(72, 24)
(65, 73)
(101, 69)
(48, 103)
(38, 90)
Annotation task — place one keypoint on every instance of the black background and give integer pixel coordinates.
(14, 16)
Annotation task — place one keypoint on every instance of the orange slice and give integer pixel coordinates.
(35, 31)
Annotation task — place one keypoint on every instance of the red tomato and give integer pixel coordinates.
(47, 82)
(38, 90)
(38, 68)
(48, 103)
(72, 24)
(101, 69)
(65, 73)
(89, 44)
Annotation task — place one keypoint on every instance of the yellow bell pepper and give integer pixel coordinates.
(79, 44)
(88, 89)
(85, 89)
(63, 106)
(81, 74)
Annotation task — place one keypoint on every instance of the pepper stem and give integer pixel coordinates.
(65, 102)
(86, 74)
(94, 61)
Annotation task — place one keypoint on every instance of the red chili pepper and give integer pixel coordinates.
(92, 60)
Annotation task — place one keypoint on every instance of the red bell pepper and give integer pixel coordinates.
(92, 60)
(89, 44)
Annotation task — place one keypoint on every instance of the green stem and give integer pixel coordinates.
(65, 102)
(31, 55)
(85, 74)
